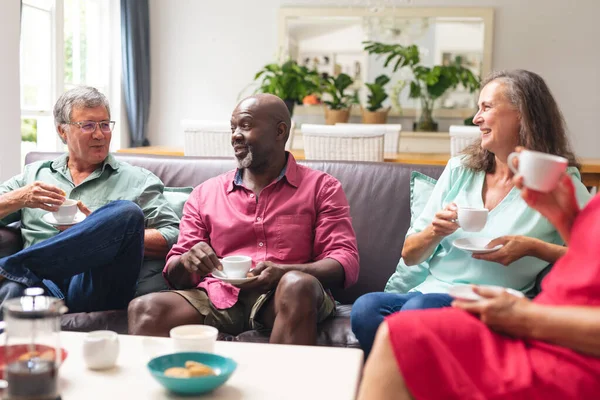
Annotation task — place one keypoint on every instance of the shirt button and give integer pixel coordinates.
(261, 244)
(251, 195)
(258, 219)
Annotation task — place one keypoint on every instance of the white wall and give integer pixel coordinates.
(204, 53)
(10, 150)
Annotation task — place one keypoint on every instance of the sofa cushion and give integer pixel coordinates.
(10, 240)
(421, 187)
(177, 196)
(150, 279)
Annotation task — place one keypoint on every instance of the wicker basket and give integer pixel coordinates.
(339, 142)
(392, 135)
(461, 136)
(207, 138)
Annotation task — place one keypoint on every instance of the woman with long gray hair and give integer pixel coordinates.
(516, 108)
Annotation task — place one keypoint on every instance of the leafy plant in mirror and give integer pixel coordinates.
(336, 88)
(289, 81)
(377, 93)
(428, 83)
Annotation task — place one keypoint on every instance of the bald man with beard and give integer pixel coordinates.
(294, 222)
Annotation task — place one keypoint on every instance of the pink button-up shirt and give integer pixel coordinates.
(301, 218)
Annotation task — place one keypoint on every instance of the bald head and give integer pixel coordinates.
(260, 127)
(268, 108)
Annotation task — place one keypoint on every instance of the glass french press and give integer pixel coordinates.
(32, 351)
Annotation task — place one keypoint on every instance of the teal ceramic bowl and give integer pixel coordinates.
(223, 367)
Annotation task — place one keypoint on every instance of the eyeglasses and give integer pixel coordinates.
(90, 126)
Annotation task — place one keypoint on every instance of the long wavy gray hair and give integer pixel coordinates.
(542, 126)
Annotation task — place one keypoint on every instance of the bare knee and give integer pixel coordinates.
(299, 294)
(145, 312)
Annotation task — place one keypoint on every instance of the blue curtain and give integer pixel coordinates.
(135, 38)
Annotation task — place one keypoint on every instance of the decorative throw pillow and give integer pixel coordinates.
(176, 197)
(407, 277)
(421, 187)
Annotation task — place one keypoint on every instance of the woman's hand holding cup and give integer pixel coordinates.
(444, 222)
(559, 204)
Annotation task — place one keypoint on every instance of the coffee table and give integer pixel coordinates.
(265, 371)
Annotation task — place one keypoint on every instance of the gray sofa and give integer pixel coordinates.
(379, 198)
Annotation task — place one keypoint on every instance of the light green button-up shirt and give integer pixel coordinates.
(114, 180)
(449, 266)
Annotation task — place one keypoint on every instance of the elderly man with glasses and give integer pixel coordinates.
(122, 217)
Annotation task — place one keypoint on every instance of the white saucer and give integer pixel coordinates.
(475, 245)
(236, 281)
(465, 292)
(49, 218)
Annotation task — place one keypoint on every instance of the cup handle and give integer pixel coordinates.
(509, 161)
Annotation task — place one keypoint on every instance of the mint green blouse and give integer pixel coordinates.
(449, 266)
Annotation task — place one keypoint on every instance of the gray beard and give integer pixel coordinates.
(245, 162)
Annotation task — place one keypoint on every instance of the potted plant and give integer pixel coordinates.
(428, 83)
(289, 81)
(338, 107)
(375, 113)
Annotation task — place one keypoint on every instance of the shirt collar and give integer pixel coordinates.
(289, 171)
(61, 162)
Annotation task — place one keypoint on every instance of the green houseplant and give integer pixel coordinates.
(289, 81)
(374, 112)
(428, 83)
(338, 107)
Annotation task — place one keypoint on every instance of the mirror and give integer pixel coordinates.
(331, 41)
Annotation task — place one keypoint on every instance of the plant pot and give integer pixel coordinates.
(375, 117)
(425, 126)
(334, 116)
(290, 105)
(426, 122)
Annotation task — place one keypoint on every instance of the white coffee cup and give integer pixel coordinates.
(100, 349)
(472, 219)
(236, 266)
(66, 212)
(194, 338)
(540, 171)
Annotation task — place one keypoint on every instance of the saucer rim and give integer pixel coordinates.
(480, 250)
(236, 281)
(46, 217)
(477, 297)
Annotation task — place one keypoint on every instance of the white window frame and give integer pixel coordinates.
(113, 89)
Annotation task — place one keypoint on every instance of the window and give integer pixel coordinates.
(64, 43)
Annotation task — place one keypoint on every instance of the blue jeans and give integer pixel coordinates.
(93, 265)
(369, 311)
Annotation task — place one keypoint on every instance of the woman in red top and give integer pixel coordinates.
(505, 347)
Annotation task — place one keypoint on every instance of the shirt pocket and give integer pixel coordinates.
(294, 238)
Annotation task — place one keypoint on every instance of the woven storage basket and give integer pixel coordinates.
(392, 135)
(207, 138)
(339, 142)
(461, 136)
